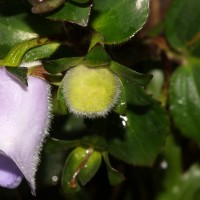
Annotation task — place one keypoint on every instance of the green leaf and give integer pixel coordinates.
(55, 145)
(132, 83)
(182, 25)
(62, 64)
(114, 176)
(186, 186)
(72, 13)
(129, 75)
(62, 108)
(97, 56)
(96, 39)
(20, 73)
(90, 168)
(14, 57)
(17, 24)
(119, 20)
(40, 52)
(54, 79)
(135, 95)
(143, 134)
(185, 98)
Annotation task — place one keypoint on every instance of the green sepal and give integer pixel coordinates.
(20, 73)
(97, 56)
(95, 141)
(129, 75)
(62, 64)
(54, 145)
(97, 38)
(114, 176)
(62, 108)
(121, 106)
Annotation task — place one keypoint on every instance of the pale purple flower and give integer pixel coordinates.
(24, 122)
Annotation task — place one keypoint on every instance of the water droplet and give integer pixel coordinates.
(164, 164)
(54, 180)
(124, 120)
(124, 123)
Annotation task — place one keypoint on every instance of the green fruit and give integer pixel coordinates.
(90, 92)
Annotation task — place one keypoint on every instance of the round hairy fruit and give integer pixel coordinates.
(90, 92)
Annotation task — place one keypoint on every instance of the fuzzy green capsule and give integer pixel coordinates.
(45, 6)
(90, 92)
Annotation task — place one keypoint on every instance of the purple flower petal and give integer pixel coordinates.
(24, 122)
(10, 174)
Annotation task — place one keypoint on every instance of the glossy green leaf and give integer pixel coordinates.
(144, 133)
(14, 57)
(62, 64)
(55, 145)
(72, 13)
(186, 186)
(114, 176)
(90, 168)
(185, 98)
(119, 20)
(20, 73)
(182, 25)
(97, 56)
(129, 75)
(135, 95)
(17, 24)
(40, 52)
